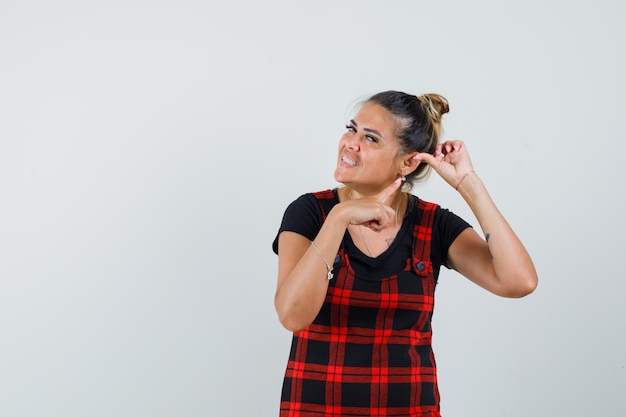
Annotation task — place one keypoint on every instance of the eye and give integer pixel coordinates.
(351, 128)
(373, 139)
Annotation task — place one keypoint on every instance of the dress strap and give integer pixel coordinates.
(422, 238)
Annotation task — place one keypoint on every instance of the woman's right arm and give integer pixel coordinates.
(302, 272)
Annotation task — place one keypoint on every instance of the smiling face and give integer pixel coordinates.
(369, 153)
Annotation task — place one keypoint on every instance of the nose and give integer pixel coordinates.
(352, 142)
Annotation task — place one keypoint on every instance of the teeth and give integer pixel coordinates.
(348, 161)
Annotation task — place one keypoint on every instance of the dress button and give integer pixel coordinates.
(420, 266)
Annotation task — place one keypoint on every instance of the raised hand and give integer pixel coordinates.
(451, 161)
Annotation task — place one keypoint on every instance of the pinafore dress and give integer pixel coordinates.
(368, 352)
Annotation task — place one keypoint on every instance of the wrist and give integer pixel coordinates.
(338, 218)
(472, 188)
(458, 184)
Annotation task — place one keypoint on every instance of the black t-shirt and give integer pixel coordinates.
(303, 216)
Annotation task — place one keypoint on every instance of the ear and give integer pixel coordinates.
(409, 163)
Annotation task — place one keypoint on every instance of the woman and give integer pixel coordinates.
(357, 265)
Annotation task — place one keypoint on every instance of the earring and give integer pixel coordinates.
(403, 178)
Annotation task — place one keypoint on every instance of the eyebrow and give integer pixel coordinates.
(367, 129)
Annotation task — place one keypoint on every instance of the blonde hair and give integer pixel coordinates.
(435, 106)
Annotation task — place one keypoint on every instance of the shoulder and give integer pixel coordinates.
(305, 215)
(418, 208)
(425, 206)
(314, 201)
(446, 227)
(441, 214)
(446, 224)
(325, 194)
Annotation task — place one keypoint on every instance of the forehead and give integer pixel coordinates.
(374, 116)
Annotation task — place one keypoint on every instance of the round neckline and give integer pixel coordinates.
(399, 237)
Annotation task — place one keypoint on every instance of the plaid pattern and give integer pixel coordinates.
(368, 352)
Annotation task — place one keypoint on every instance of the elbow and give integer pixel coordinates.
(519, 292)
(290, 320)
(524, 286)
(291, 323)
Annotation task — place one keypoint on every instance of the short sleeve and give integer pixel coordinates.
(302, 216)
(447, 227)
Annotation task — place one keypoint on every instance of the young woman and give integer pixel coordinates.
(357, 265)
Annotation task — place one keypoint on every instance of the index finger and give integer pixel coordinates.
(388, 192)
(432, 160)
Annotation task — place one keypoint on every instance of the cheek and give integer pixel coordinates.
(392, 165)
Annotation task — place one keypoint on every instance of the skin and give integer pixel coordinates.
(370, 164)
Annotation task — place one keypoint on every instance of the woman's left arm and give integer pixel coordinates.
(498, 263)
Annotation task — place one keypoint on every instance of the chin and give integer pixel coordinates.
(341, 180)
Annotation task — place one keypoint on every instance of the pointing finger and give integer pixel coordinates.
(388, 192)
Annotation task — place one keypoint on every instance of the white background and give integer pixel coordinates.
(149, 148)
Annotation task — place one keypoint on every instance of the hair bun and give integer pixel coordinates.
(435, 105)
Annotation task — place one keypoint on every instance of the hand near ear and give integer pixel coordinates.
(450, 160)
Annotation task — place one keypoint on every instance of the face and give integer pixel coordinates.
(368, 158)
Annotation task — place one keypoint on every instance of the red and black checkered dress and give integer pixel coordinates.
(368, 352)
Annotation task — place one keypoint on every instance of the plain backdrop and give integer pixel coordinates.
(148, 150)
